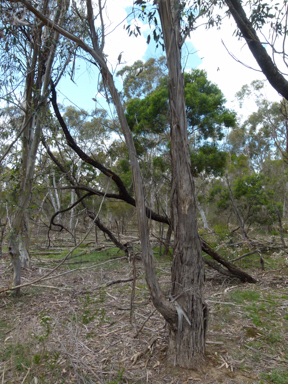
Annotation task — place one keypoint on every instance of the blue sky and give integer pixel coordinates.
(84, 88)
(86, 77)
(204, 50)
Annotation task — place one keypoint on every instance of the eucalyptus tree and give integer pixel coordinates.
(185, 312)
(147, 114)
(263, 138)
(28, 57)
(248, 199)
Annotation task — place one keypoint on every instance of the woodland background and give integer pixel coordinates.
(67, 208)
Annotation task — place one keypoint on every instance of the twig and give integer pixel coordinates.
(51, 287)
(113, 282)
(245, 254)
(10, 330)
(223, 302)
(133, 291)
(137, 356)
(82, 362)
(142, 326)
(3, 374)
(69, 253)
(26, 375)
(14, 141)
(266, 354)
(60, 274)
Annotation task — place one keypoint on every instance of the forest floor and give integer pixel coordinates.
(78, 327)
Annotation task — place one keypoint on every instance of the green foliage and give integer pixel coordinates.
(159, 164)
(205, 109)
(148, 115)
(250, 190)
(140, 79)
(45, 323)
(240, 296)
(37, 358)
(249, 197)
(93, 309)
(221, 231)
(239, 164)
(219, 195)
(209, 159)
(263, 135)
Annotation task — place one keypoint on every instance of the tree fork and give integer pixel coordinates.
(124, 196)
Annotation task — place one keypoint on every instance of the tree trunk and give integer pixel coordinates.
(24, 244)
(187, 343)
(202, 213)
(167, 241)
(2, 233)
(38, 76)
(280, 227)
(17, 243)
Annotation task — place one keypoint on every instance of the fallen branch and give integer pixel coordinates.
(52, 287)
(218, 267)
(66, 257)
(23, 381)
(245, 254)
(45, 278)
(235, 271)
(113, 282)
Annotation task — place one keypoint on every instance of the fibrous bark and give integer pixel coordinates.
(187, 342)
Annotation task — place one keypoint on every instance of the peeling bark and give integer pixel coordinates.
(187, 342)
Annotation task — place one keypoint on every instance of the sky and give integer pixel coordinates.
(204, 50)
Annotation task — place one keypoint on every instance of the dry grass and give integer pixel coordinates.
(79, 329)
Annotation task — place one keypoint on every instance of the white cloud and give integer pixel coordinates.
(222, 69)
(117, 39)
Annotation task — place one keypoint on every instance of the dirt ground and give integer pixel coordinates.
(79, 328)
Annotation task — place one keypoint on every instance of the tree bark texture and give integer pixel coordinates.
(187, 343)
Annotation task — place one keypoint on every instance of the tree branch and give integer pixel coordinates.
(123, 193)
(272, 73)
